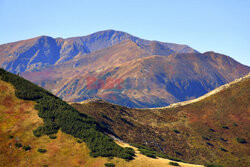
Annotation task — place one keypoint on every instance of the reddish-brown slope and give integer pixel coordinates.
(202, 132)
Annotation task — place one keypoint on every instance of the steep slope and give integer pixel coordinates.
(19, 147)
(211, 130)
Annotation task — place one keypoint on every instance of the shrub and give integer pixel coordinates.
(205, 138)
(79, 141)
(18, 145)
(223, 139)
(41, 150)
(235, 124)
(174, 164)
(11, 137)
(210, 144)
(176, 131)
(225, 127)
(241, 140)
(26, 148)
(52, 136)
(222, 149)
(109, 165)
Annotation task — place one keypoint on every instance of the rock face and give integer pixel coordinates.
(124, 69)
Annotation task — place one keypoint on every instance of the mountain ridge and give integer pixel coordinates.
(154, 74)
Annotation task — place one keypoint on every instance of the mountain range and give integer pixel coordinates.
(120, 68)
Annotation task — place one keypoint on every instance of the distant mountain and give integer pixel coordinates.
(42, 51)
(128, 70)
(213, 129)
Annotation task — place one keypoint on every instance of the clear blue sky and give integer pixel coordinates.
(219, 25)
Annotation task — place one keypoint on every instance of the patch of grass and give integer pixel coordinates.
(18, 145)
(41, 150)
(174, 164)
(57, 114)
(109, 165)
(241, 140)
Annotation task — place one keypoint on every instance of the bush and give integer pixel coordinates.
(18, 145)
(235, 124)
(79, 141)
(11, 137)
(41, 150)
(205, 138)
(223, 149)
(223, 139)
(241, 140)
(210, 144)
(176, 131)
(225, 127)
(174, 164)
(52, 136)
(26, 148)
(109, 165)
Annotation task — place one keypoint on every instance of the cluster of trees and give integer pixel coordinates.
(57, 114)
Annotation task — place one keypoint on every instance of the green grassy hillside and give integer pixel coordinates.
(214, 130)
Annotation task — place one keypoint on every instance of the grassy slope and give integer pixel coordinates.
(19, 118)
(58, 115)
(206, 130)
